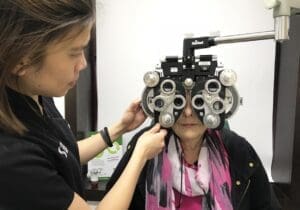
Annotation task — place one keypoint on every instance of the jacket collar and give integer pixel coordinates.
(242, 157)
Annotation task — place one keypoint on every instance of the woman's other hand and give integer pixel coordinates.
(151, 142)
(133, 117)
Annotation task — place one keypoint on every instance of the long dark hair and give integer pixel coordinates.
(27, 27)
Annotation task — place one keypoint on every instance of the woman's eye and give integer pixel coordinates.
(75, 55)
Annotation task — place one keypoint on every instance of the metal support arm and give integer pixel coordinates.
(282, 10)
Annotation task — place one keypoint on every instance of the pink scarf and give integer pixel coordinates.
(211, 180)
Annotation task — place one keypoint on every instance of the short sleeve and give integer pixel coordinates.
(28, 180)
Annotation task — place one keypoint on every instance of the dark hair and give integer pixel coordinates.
(27, 27)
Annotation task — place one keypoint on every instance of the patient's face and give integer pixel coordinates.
(188, 126)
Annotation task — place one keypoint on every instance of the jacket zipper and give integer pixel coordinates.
(244, 193)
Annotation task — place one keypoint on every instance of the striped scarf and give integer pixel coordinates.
(211, 180)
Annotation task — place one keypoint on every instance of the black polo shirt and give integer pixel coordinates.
(41, 170)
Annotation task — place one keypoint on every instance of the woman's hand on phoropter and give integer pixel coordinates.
(151, 142)
(133, 117)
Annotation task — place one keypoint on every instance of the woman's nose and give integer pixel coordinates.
(82, 65)
(188, 111)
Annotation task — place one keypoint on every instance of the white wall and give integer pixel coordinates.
(132, 36)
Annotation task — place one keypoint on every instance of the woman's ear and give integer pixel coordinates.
(20, 69)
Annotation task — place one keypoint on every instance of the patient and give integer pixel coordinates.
(200, 168)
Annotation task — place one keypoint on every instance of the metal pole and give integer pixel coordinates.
(245, 37)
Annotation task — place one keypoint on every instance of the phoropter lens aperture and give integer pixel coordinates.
(159, 103)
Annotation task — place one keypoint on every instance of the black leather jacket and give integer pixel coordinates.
(251, 189)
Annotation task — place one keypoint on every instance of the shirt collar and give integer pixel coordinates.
(23, 106)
